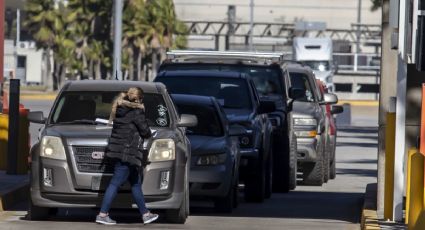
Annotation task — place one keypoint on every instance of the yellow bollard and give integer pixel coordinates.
(23, 144)
(408, 182)
(4, 126)
(415, 189)
(389, 166)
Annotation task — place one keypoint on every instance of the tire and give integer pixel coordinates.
(179, 216)
(285, 164)
(326, 164)
(39, 213)
(269, 176)
(314, 172)
(292, 182)
(225, 204)
(236, 190)
(236, 196)
(332, 173)
(255, 184)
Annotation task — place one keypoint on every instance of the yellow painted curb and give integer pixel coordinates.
(359, 103)
(38, 96)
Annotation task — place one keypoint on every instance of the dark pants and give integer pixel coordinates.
(122, 173)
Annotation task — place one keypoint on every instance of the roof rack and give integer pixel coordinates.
(192, 55)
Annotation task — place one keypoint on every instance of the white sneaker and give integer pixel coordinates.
(149, 217)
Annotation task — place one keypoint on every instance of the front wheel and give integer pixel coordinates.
(269, 176)
(255, 184)
(39, 213)
(179, 216)
(225, 204)
(314, 172)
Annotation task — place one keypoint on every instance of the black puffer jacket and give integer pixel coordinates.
(128, 132)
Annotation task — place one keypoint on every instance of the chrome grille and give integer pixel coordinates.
(85, 162)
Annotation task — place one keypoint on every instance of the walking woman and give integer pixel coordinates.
(129, 129)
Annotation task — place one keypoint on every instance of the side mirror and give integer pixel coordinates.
(330, 99)
(266, 107)
(336, 109)
(187, 120)
(296, 93)
(36, 117)
(236, 130)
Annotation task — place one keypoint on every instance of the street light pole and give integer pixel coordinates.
(117, 74)
(359, 21)
(251, 24)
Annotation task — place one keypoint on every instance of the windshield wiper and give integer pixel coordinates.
(83, 121)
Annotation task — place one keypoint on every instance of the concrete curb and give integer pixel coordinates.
(369, 219)
(11, 197)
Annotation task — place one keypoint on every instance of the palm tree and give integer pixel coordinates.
(376, 4)
(91, 30)
(164, 25)
(135, 29)
(41, 18)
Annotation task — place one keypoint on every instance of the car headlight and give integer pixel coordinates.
(52, 147)
(162, 150)
(305, 121)
(246, 141)
(311, 133)
(215, 159)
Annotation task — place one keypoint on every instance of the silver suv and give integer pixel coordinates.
(68, 167)
(310, 125)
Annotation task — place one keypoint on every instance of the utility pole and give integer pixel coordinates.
(387, 87)
(18, 35)
(251, 24)
(3, 101)
(359, 21)
(118, 6)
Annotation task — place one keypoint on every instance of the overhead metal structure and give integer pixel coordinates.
(368, 33)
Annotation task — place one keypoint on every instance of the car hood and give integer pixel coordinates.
(101, 133)
(277, 99)
(79, 131)
(304, 110)
(239, 115)
(206, 145)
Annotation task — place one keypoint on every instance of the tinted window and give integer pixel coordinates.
(300, 80)
(74, 106)
(267, 79)
(208, 120)
(230, 92)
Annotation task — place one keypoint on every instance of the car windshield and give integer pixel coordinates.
(209, 123)
(232, 93)
(86, 107)
(267, 79)
(300, 81)
(317, 65)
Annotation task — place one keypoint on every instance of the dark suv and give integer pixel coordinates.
(68, 167)
(270, 81)
(237, 94)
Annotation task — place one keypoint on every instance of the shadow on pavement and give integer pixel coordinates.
(296, 204)
(299, 204)
(375, 138)
(358, 172)
(358, 129)
(352, 144)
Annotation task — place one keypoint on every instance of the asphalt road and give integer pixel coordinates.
(335, 205)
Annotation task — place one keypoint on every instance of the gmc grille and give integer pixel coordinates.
(85, 162)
